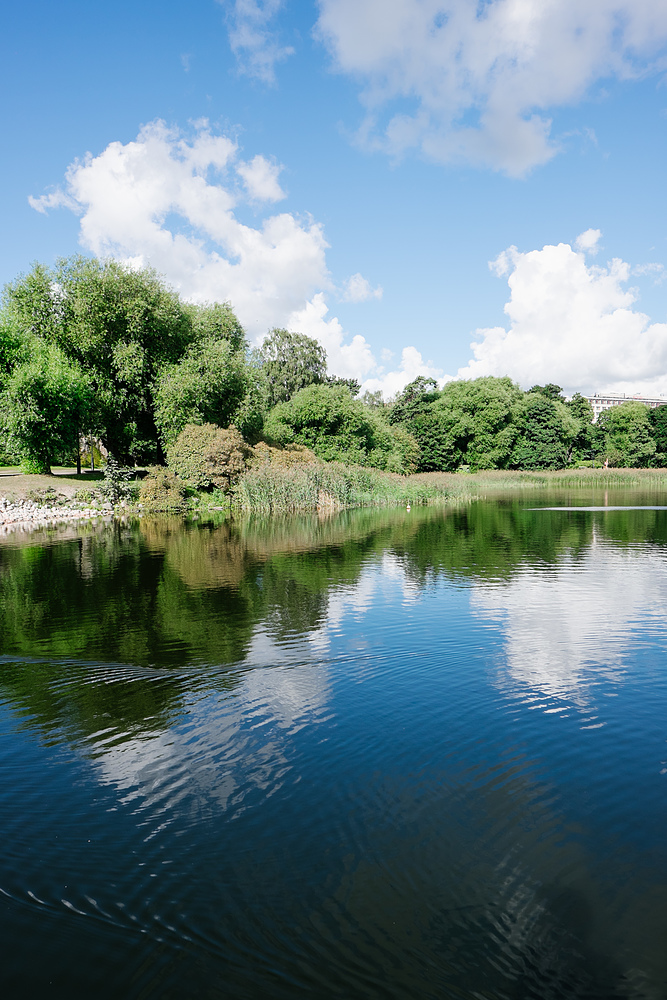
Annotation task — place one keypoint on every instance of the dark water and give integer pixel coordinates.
(381, 755)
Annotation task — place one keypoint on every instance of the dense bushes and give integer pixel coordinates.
(162, 492)
(204, 455)
(336, 427)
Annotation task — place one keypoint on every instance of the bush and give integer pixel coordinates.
(116, 487)
(205, 455)
(284, 458)
(339, 428)
(162, 492)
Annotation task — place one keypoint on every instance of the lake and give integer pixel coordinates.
(378, 754)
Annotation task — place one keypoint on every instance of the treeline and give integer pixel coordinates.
(93, 350)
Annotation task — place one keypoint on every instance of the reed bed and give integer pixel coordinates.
(310, 486)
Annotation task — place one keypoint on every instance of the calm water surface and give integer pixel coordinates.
(379, 755)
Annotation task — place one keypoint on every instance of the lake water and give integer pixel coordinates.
(395, 754)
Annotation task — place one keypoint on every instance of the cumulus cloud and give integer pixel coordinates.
(588, 241)
(481, 78)
(169, 201)
(252, 39)
(359, 289)
(573, 323)
(353, 360)
(411, 367)
(260, 177)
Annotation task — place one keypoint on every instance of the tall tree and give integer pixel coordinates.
(47, 403)
(628, 435)
(291, 361)
(545, 431)
(212, 384)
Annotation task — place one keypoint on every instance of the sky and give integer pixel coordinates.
(448, 188)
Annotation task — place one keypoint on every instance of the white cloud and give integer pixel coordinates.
(251, 39)
(572, 324)
(260, 177)
(353, 360)
(562, 635)
(482, 78)
(588, 241)
(358, 289)
(412, 365)
(170, 201)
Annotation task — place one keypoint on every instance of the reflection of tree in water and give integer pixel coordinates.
(162, 594)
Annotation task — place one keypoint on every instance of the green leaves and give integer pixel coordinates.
(339, 428)
(46, 403)
(291, 361)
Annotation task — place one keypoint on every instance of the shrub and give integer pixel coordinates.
(205, 455)
(284, 458)
(337, 427)
(117, 483)
(162, 492)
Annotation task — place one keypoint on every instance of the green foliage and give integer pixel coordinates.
(628, 440)
(117, 484)
(46, 402)
(205, 455)
(215, 321)
(550, 391)
(589, 437)
(13, 348)
(209, 385)
(291, 361)
(546, 429)
(468, 423)
(658, 418)
(337, 427)
(477, 419)
(117, 325)
(162, 492)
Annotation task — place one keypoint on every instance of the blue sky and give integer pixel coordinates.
(350, 169)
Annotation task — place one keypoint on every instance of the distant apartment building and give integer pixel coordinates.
(605, 400)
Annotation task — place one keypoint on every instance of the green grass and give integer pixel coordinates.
(322, 486)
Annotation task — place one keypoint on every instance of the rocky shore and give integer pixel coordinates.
(27, 513)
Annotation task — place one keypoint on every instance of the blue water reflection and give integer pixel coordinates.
(379, 755)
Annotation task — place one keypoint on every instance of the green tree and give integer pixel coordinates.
(550, 390)
(628, 435)
(212, 384)
(414, 409)
(291, 361)
(476, 422)
(546, 429)
(589, 438)
(216, 321)
(46, 405)
(116, 324)
(658, 418)
(338, 427)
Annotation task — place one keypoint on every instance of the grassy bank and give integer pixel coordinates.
(318, 486)
(312, 486)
